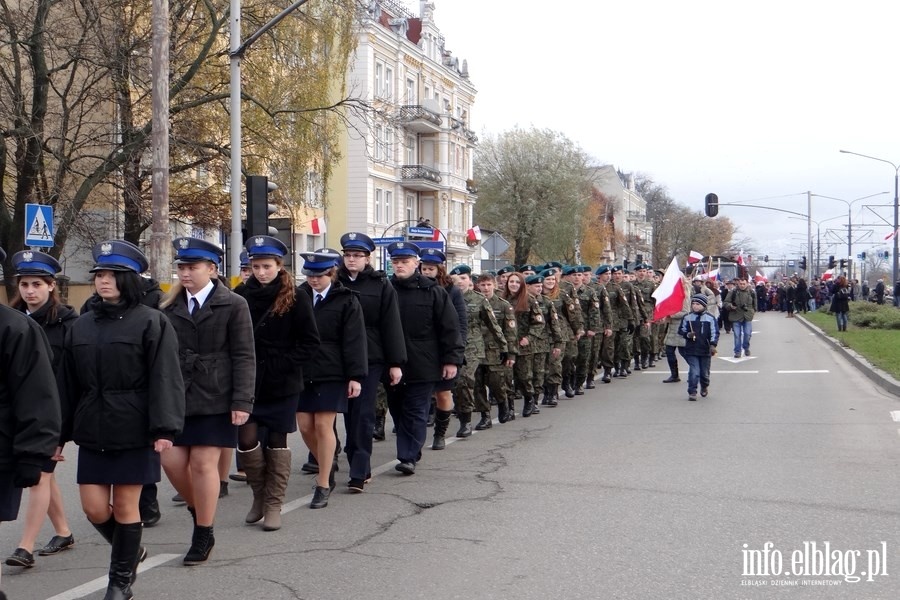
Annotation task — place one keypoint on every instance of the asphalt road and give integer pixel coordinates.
(629, 491)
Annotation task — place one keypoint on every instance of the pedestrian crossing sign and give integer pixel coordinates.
(39, 225)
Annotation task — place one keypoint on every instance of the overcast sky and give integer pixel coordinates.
(747, 100)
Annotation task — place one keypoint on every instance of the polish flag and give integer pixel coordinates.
(694, 257)
(740, 257)
(318, 226)
(827, 274)
(474, 234)
(760, 278)
(436, 236)
(669, 294)
(891, 234)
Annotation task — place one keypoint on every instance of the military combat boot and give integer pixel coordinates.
(551, 394)
(623, 368)
(606, 376)
(566, 386)
(378, 433)
(465, 425)
(441, 422)
(485, 422)
(570, 390)
(579, 391)
(545, 399)
(637, 363)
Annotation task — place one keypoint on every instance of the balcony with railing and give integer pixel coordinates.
(420, 178)
(637, 215)
(418, 119)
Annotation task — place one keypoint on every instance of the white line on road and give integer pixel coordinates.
(731, 372)
(100, 583)
(895, 415)
(801, 371)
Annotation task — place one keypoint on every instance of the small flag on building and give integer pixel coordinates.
(318, 226)
(436, 235)
(474, 234)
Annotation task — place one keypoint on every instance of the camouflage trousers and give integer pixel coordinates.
(596, 343)
(381, 402)
(493, 378)
(583, 362)
(464, 392)
(607, 356)
(624, 343)
(569, 357)
(553, 370)
(523, 374)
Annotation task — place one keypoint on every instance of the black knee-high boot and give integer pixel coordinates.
(123, 561)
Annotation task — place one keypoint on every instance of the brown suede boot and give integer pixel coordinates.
(278, 471)
(254, 464)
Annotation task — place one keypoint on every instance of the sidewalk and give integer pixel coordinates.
(881, 378)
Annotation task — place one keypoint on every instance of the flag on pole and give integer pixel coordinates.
(694, 257)
(474, 234)
(436, 235)
(827, 274)
(318, 226)
(669, 294)
(740, 257)
(760, 277)
(891, 234)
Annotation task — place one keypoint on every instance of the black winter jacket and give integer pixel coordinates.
(216, 352)
(384, 333)
(342, 354)
(122, 380)
(430, 328)
(30, 419)
(285, 344)
(840, 301)
(55, 329)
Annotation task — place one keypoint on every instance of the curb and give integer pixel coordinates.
(883, 379)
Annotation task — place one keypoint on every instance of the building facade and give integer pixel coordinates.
(633, 233)
(408, 163)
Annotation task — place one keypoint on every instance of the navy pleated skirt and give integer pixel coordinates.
(138, 466)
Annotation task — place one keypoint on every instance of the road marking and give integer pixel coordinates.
(731, 372)
(736, 360)
(895, 415)
(801, 371)
(100, 583)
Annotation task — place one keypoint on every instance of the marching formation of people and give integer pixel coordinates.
(145, 383)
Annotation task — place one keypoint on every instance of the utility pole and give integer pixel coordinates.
(160, 258)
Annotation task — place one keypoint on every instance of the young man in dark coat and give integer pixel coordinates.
(434, 350)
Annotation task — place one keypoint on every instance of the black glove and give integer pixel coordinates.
(630, 327)
(26, 475)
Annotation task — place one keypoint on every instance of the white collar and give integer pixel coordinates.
(201, 296)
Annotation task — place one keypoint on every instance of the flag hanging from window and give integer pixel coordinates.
(474, 234)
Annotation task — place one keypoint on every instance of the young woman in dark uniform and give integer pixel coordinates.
(385, 346)
(39, 299)
(337, 370)
(286, 339)
(218, 364)
(126, 395)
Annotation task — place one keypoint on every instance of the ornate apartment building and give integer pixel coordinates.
(409, 162)
(632, 231)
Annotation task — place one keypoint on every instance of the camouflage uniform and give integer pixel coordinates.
(549, 340)
(569, 309)
(480, 324)
(597, 340)
(637, 309)
(623, 320)
(606, 343)
(530, 325)
(590, 308)
(648, 335)
(492, 371)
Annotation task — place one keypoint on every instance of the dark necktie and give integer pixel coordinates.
(318, 299)
(195, 306)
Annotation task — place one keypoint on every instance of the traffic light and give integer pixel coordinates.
(887, 254)
(712, 205)
(843, 263)
(625, 264)
(863, 256)
(803, 263)
(831, 263)
(258, 208)
(766, 258)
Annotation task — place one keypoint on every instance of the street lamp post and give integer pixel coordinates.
(850, 204)
(896, 261)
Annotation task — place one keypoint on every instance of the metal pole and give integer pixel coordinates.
(160, 258)
(896, 226)
(849, 245)
(234, 254)
(809, 246)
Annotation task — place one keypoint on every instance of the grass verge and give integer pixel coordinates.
(881, 347)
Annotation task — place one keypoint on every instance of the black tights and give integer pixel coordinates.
(248, 437)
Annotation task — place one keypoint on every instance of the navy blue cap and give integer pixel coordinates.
(583, 269)
(118, 255)
(569, 270)
(553, 265)
(191, 250)
(461, 270)
(617, 268)
(265, 246)
(400, 249)
(524, 268)
(534, 279)
(551, 272)
(245, 260)
(506, 269)
(29, 262)
(432, 255)
(357, 241)
(319, 261)
(602, 269)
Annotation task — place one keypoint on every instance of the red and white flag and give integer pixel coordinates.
(827, 274)
(891, 234)
(760, 278)
(474, 234)
(694, 257)
(436, 235)
(318, 226)
(740, 257)
(669, 294)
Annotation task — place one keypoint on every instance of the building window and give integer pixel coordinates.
(388, 206)
(410, 150)
(410, 90)
(456, 216)
(410, 207)
(312, 242)
(379, 142)
(378, 195)
(388, 92)
(389, 144)
(379, 79)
